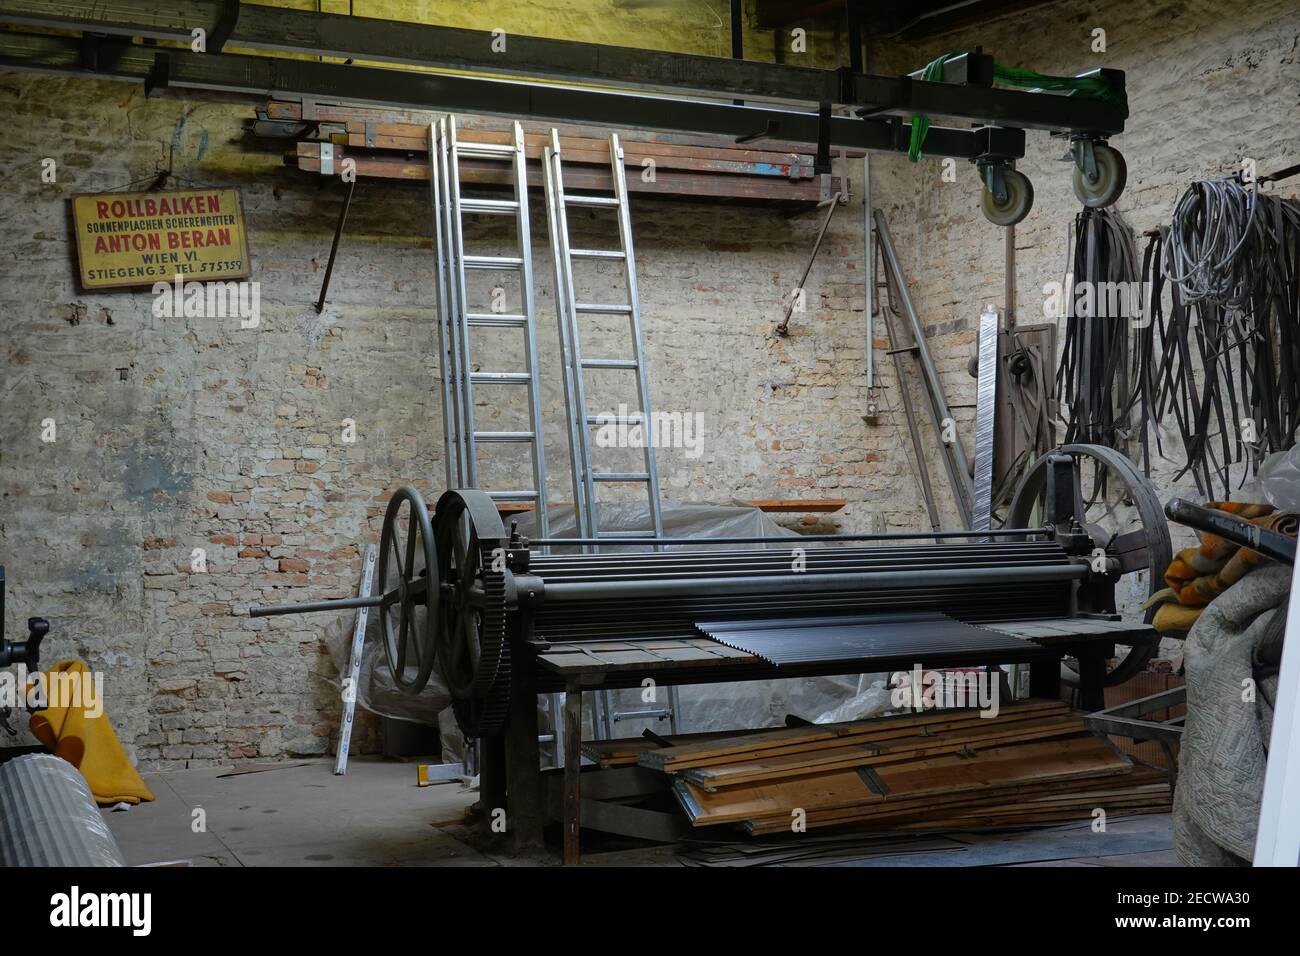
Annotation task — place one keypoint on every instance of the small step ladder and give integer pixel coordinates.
(570, 311)
(585, 477)
(456, 314)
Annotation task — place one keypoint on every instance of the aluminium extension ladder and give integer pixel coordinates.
(570, 310)
(456, 315)
(581, 421)
(455, 320)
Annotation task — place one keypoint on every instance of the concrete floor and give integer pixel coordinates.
(297, 813)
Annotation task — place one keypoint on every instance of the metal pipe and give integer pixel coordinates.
(784, 328)
(334, 247)
(1279, 547)
(311, 607)
(794, 540)
(869, 270)
(564, 591)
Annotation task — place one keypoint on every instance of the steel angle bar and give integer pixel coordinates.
(319, 34)
(954, 455)
(332, 82)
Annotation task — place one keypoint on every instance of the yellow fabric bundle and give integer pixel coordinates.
(87, 740)
(1198, 575)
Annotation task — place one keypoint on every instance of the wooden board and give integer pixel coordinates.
(418, 120)
(796, 506)
(1084, 756)
(577, 177)
(602, 657)
(871, 754)
(754, 746)
(1070, 630)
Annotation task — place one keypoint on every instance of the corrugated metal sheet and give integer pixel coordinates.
(820, 640)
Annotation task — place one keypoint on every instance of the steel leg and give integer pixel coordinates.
(572, 771)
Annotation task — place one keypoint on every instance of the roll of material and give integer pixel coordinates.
(49, 818)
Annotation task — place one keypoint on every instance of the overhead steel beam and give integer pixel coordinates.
(417, 44)
(298, 79)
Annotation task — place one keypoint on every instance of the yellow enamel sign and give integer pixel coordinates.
(126, 239)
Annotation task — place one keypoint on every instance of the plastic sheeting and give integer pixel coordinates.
(375, 689)
(1279, 479)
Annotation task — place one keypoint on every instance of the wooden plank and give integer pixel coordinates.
(1078, 757)
(583, 149)
(1139, 786)
(752, 746)
(334, 113)
(795, 506)
(873, 755)
(667, 183)
(596, 657)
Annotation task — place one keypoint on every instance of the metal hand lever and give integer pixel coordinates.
(1279, 547)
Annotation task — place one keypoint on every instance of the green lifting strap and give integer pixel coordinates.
(1094, 87)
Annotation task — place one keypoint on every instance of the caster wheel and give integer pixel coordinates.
(1112, 174)
(1020, 199)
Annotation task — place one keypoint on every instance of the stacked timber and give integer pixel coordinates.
(1032, 763)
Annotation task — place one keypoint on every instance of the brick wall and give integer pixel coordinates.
(176, 434)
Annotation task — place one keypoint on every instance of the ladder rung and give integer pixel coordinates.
(596, 253)
(580, 200)
(601, 307)
(619, 476)
(497, 320)
(501, 378)
(503, 436)
(485, 150)
(492, 262)
(491, 207)
(512, 495)
(636, 418)
(609, 363)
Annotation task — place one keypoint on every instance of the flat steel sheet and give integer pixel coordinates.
(816, 640)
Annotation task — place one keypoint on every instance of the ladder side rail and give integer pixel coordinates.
(470, 474)
(638, 336)
(528, 307)
(446, 349)
(564, 306)
(588, 525)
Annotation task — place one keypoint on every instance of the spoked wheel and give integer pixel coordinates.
(473, 652)
(408, 583)
(1120, 510)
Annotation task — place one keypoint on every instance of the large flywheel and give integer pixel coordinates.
(408, 586)
(473, 649)
(1118, 509)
